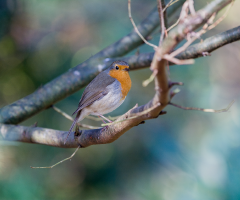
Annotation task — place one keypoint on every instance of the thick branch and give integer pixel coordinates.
(56, 138)
(211, 44)
(112, 132)
(161, 98)
(77, 77)
(33, 135)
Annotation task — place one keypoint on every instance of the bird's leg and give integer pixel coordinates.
(105, 127)
(102, 119)
(105, 118)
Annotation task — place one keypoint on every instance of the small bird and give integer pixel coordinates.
(106, 92)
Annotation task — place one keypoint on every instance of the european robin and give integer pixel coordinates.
(106, 92)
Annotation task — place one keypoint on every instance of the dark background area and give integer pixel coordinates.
(181, 155)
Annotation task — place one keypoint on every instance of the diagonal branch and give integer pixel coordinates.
(211, 44)
(188, 25)
(203, 109)
(77, 77)
(163, 19)
(194, 51)
(112, 132)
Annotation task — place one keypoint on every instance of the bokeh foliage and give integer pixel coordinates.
(181, 155)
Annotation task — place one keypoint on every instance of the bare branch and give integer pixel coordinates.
(161, 16)
(203, 109)
(159, 87)
(191, 7)
(194, 51)
(175, 24)
(79, 76)
(135, 27)
(157, 104)
(171, 84)
(174, 92)
(135, 115)
(177, 61)
(188, 25)
(169, 4)
(69, 158)
(203, 30)
(71, 119)
(150, 79)
(222, 17)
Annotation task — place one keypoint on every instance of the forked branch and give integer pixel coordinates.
(160, 100)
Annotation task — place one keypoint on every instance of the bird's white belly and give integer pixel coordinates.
(107, 104)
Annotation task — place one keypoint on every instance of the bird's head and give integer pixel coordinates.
(119, 66)
(119, 70)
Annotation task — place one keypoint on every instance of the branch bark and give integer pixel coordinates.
(162, 86)
(79, 76)
(209, 45)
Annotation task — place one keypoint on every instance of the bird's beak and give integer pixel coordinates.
(126, 69)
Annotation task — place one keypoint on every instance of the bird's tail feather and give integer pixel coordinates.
(76, 111)
(72, 126)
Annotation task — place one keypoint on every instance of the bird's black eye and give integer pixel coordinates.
(117, 68)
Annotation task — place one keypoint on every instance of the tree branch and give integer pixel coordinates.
(211, 44)
(194, 51)
(79, 76)
(187, 25)
(110, 133)
(34, 135)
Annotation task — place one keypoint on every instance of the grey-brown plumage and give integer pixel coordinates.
(95, 90)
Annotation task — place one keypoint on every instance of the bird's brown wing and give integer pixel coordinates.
(95, 90)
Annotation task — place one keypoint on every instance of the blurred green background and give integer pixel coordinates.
(181, 155)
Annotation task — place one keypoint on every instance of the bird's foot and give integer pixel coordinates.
(105, 118)
(77, 131)
(104, 128)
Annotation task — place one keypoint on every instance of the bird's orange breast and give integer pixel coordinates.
(124, 79)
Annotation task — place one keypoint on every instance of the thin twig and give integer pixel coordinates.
(62, 113)
(113, 118)
(177, 61)
(191, 7)
(56, 90)
(102, 136)
(171, 84)
(134, 116)
(184, 11)
(161, 20)
(203, 109)
(182, 16)
(93, 118)
(87, 117)
(205, 28)
(190, 41)
(71, 119)
(174, 92)
(169, 4)
(59, 161)
(175, 24)
(135, 27)
(150, 79)
(222, 17)
(163, 28)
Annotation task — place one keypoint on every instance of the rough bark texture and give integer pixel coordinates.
(79, 76)
(108, 134)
